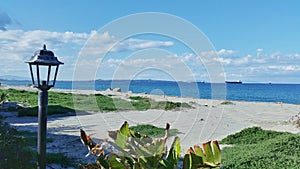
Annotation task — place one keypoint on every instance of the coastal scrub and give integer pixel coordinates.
(64, 103)
(256, 148)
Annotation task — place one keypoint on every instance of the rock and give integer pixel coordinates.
(116, 90)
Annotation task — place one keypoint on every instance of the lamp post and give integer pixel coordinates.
(43, 60)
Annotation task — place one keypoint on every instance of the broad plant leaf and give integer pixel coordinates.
(217, 152)
(174, 153)
(115, 162)
(187, 162)
(209, 157)
(208, 152)
(122, 136)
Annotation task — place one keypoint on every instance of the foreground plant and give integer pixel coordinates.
(130, 149)
(3, 98)
(209, 157)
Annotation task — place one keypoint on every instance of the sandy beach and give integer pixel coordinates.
(208, 120)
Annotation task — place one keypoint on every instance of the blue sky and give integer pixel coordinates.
(256, 41)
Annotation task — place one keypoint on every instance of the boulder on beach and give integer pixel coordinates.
(109, 89)
(116, 90)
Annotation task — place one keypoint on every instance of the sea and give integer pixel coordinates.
(258, 92)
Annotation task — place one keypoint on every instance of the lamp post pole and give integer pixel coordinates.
(43, 58)
(42, 127)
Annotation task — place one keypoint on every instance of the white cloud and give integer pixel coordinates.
(137, 44)
(255, 60)
(17, 46)
(226, 52)
(269, 67)
(162, 66)
(100, 44)
(223, 61)
(242, 60)
(284, 68)
(258, 52)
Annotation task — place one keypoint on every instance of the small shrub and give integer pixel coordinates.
(256, 148)
(227, 102)
(251, 135)
(15, 152)
(153, 131)
(3, 98)
(137, 98)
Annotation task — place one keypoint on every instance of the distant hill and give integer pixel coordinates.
(10, 77)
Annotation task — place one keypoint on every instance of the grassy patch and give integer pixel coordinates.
(17, 149)
(62, 103)
(257, 148)
(153, 131)
(138, 98)
(60, 158)
(167, 105)
(251, 135)
(52, 109)
(14, 150)
(144, 103)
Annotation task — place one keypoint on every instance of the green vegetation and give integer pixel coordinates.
(60, 158)
(227, 102)
(62, 103)
(14, 153)
(144, 103)
(3, 98)
(209, 157)
(257, 148)
(139, 151)
(17, 149)
(253, 135)
(153, 131)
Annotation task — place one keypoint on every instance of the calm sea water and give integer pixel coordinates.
(287, 93)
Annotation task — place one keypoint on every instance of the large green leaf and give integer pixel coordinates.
(115, 162)
(122, 136)
(196, 161)
(209, 158)
(187, 164)
(217, 152)
(208, 152)
(174, 153)
(199, 152)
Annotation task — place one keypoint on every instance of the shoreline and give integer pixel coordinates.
(126, 94)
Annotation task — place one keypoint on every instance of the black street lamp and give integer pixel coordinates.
(43, 60)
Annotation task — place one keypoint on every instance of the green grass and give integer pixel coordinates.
(52, 109)
(251, 135)
(256, 148)
(138, 98)
(144, 103)
(62, 103)
(14, 152)
(60, 158)
(153, 131)
(16, 149)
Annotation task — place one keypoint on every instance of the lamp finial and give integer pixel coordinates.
(44, 46)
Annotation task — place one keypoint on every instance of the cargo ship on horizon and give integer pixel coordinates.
(234, 82)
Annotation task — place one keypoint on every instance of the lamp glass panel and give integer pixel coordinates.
(44, 74)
